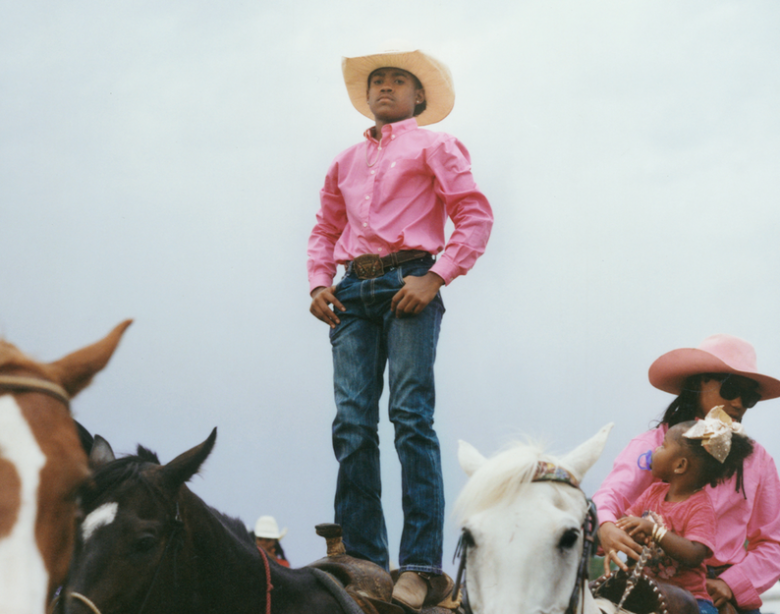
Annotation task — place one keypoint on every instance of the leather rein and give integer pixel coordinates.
(19, 383)
(545, 472)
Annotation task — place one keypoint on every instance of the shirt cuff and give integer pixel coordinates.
(745, 594)
(446, 270)
(320, 280)
(606, 516)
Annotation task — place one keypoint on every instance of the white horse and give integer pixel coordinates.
(525, 523)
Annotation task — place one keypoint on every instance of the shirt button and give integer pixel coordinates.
(380, 249)
(372, 172)
(392, 136)
(380, 148)
(392, 165)
(364, 224)
(367, 197)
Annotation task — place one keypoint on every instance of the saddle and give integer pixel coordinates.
(360, 587)
(649, 596)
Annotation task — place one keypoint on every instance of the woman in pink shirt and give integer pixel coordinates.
(746, 558)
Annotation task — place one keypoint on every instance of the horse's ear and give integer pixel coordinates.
(184, 466)
(101, 453)
(469, 457)
(75, 371)
(586, 454)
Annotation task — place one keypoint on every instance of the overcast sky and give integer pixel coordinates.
(162, 161)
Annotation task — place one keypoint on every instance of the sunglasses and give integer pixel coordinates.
(731, 388)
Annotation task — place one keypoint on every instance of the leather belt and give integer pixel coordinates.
(371, 266)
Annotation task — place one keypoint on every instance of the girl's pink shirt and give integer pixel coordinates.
(693, 519)
(755, 519)
(381, 198)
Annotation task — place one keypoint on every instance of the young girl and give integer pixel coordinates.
(676, 514)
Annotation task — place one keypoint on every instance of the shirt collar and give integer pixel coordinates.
(395, 128)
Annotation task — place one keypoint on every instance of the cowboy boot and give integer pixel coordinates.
(410, 591)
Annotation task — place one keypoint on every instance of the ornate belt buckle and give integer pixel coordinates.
(368, 266)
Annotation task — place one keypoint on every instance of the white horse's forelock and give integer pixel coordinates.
(500, 477)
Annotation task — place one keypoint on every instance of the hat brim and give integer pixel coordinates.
(669, 372)
(434, 76)
(280, 535)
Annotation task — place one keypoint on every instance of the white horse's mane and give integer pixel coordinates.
(500, 477)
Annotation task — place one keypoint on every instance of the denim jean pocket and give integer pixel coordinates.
(416, 268)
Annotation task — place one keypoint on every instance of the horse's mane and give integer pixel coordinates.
(500, 477)
(234, 526)
(118, 471)
(132, 467)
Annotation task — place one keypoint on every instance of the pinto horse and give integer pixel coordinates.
(148, 545)
(42, 463)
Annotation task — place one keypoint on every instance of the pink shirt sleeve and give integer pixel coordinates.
(760, 568)
(702, 523)
(331, 220)
(626, 481)
(466, 206)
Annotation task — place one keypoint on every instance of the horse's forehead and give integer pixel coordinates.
(101, 516)
(135, 495)
(537, 502)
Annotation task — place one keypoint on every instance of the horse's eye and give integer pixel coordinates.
(568, 539)
(145, 543)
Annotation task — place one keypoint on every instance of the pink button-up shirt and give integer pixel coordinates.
(393, 195)
(755, 519)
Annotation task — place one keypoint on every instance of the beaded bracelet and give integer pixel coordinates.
(658, 533)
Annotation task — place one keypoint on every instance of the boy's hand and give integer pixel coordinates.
(322, 299)
(416, 294)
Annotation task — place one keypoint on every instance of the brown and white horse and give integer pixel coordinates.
(42, 463)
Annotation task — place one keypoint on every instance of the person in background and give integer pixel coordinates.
(267, 536)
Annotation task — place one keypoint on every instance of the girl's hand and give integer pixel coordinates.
(641, 529)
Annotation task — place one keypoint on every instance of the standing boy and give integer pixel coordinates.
(383, 210)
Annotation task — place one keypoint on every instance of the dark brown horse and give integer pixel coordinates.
(149, 545)
(42, 463)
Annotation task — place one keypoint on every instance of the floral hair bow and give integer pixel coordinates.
(715, 432)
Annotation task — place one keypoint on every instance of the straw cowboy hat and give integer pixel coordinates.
(716, 354)
(267, 528)
(434, 76)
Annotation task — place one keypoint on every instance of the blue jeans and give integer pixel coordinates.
(367, 338)
(706, 607)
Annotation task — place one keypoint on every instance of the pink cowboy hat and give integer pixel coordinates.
(716, 354)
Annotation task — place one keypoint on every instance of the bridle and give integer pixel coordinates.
(20, 383)
(545, 472)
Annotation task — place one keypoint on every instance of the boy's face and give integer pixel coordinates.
(393, 95)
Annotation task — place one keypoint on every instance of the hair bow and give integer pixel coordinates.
(715, 432)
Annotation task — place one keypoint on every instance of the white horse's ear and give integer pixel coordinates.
(469, 457)
(586, 454)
